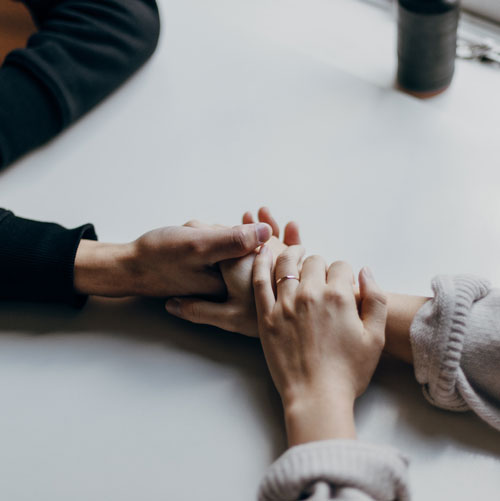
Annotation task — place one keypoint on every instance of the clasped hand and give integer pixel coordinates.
(322, 338)
(322, 335)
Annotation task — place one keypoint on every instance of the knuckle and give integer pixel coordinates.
(195, 246)
(193, 223)
(190, 311)
(288, 310)
(240, 239)
(267, 325)
(337, 297)
(308, 260)
(315, 258)
(307, 298)
(342, 267)
(342, 264)
(284, 258)
(259, 283)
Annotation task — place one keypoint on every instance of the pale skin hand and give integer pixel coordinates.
(401, 308)
(321, 351)
(138, 268)
(171, 261)
(237, 313)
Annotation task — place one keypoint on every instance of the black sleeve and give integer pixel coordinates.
(37, 260)
(83, 50)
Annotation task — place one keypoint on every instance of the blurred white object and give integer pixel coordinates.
(486, 8)
(485, 51)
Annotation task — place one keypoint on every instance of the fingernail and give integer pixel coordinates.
(263, 232)
(368, 273)
(173, 306)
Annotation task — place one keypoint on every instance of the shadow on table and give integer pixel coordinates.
(428, 422)
(145, 322)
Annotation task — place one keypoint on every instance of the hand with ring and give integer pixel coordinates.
(237, 313)
(320, 349)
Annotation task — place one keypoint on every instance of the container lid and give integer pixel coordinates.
(429, 6)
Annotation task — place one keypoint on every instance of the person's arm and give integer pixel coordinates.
(169, 261)
(46, 262)
(237, 313)
(455, 340)
(82, 51)
(37, 260)
(321, 352)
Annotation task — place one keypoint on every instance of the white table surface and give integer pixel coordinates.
(285, 103)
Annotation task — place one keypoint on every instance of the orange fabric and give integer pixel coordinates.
(16, 26)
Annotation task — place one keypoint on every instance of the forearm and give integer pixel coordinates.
(402, 309)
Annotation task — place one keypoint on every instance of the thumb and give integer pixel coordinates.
(238, 241)
(373, 304)
(198, 311)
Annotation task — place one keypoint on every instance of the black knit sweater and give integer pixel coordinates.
(82, 51)
(37, 260)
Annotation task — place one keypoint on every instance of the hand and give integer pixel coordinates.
(237, 313)
(320, 351)
(171, 261)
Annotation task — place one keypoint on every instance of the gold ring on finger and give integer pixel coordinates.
(287, 277)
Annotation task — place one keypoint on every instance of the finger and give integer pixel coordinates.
(339, 278)
(287, 265)
(373, 304)
(230, 243)
(292, 235)
(194, 223)
(248, 218)
(265, 216)
(313, 274)
(199, 311)
(262, 282)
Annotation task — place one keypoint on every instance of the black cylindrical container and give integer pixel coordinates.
(427, 44)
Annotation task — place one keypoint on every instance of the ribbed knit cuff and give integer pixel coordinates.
(437, 336)
(379, 472)
(37, 260)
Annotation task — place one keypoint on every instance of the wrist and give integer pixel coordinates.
(320, 417)
(104, 269)
(401, 310)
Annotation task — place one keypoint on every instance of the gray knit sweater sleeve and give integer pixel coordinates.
(456, 346)
(456, 349)
(340, 470)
